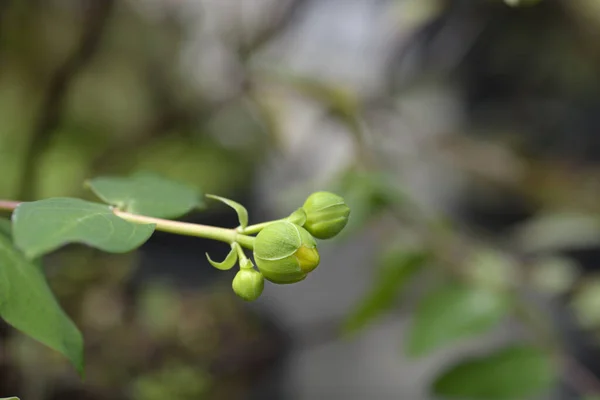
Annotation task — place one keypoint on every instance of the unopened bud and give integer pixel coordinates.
(248, 284)
(326, 214)
(285, 252)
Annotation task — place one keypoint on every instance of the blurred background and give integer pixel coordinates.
(465, 130)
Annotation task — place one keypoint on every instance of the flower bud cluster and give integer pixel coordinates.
(285, 251)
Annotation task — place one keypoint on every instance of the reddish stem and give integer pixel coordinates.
(8, 205)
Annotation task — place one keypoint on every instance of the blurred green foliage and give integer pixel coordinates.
(160, 341)
(514, 372)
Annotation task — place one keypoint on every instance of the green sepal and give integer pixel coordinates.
(239, 209)
(226, 264)
(246, 264)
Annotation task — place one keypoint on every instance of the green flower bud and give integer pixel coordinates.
(326, 214)
(285, 252)
(248, 284)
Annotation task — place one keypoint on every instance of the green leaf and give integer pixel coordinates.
(147, 194)
(397, 268)
(228, 263)
(28, 304)
(241, 211)
(454, 312)
(516, 372)
(40, 227)
(9, 398)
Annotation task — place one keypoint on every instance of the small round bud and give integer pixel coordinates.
(248, 284)
(326, 214)
(285, 252)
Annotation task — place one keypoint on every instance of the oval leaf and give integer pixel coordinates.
(28, 304)
(40, 227)
(241, 211)
(396, 270)
(147, 194)
(516, 372)
(454, 312)
(228, 263)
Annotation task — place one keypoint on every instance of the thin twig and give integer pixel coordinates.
(165, 122)
(168, 120)
(53, 101)
(177, 115)
(8, 205)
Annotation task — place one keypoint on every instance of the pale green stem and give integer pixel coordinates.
(244, 261)
(241, 255)
(181, 228)
(188, 229)
(252, 229)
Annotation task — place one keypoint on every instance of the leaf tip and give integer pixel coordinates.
(240, 210)
(213, 263)
(80, 368)
(226, 264)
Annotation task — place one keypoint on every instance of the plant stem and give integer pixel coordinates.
(252, 229)
(8, 205)
(244, 261)
(181, 228)
(240, 252)
(188, 229)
